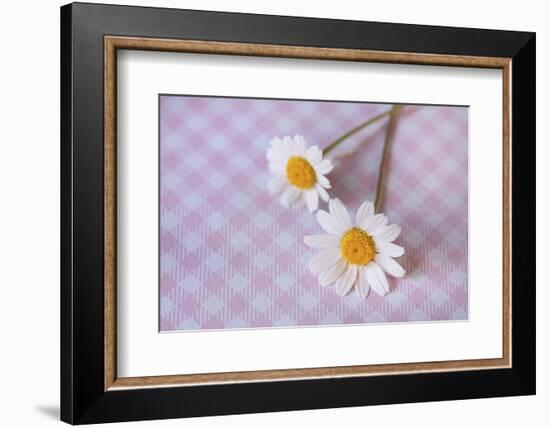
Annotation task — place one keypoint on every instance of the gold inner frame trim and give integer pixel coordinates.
(113, 43)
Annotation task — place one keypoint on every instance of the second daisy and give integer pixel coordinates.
(298, 172)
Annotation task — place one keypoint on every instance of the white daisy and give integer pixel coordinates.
(355, 256)
(299, 172)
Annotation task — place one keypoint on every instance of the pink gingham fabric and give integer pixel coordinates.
(232, 257)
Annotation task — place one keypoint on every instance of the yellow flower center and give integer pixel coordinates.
(358, 247)
(300, 173)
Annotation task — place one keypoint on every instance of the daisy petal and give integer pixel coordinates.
(314, 155)
(300, 144)
(323, 181)
(362, 286)
(365, 211)
(345, 282)
(389, 265)
(290, 196)
(322, 192)
(388, 234)
(324, 260)
(327, 223)
(274, 155)
(290, 146)
(340, 214)
(301, 202)
(312, 199)
(374, 223)
(389, 249)
(322, 241)
(277, 184)
(277, 168)
(380, 226)
(324, 167)
(331, 275)
(281, 146)
(377, 279)
(276, 142)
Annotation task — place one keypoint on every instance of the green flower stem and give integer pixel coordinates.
(358, 128)
(390, 131)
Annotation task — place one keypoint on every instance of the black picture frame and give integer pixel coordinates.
(83, 397)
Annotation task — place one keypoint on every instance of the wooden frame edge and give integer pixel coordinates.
(109, 197)
(507, 213)
(112, 43)
(301, 52)
(300, 374)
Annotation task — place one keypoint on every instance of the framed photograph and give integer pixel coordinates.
(265, 213)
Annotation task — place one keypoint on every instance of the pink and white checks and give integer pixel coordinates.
(232, 257)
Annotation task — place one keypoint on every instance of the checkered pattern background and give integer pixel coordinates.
(232, 257)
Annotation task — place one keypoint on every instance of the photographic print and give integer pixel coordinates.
(280, 213)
